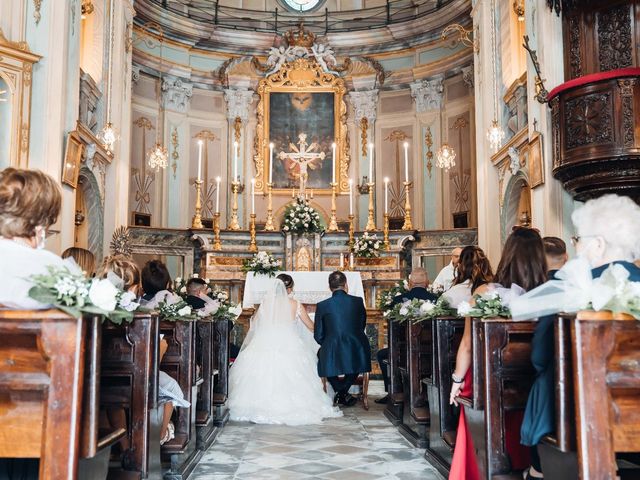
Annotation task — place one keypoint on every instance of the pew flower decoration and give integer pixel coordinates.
(367, 246)
(174, 308)
(180, 285)
(75, 294)
(301, 217)
(385, 300)
(262, 263)
(436, 289)
(494, 303)
(226, 309)
(417, 310)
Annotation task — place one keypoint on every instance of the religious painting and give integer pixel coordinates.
(302, 130)
(72, 159)
(302, 112)
(536, 165)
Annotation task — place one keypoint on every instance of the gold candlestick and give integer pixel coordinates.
(385, 231)
(234, 225)
(333, 222)
(351, 230)
(407, 208)
(269, 226)
(197, 218)
(217, 245)
(371, 221)
(252, 231)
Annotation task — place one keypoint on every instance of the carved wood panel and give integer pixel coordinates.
(588, 120)
(614, 38)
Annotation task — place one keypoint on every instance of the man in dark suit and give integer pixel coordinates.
(339, 330)
(418, 282)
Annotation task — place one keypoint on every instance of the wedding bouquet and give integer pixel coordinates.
(75, 294)
(366, 246)
(416, 310)
(300, 217)
(261, 263)
(385, 300)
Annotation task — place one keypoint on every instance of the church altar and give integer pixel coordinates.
(310, 287)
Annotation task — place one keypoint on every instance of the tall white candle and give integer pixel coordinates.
(333, 162)
(350, 196)
(386, 194)
(351, 261)
(253, 195)
(371, 163)
(218, 194)
(406, 162)
(199, 160)
(235, 161)
(271, 163)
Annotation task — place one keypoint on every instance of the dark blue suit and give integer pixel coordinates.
(339, 329)
(420, 293)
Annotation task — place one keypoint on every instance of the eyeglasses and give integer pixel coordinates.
(575, 239)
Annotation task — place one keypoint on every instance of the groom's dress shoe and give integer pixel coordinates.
(382, 400)
(337, 399)
(348, 400)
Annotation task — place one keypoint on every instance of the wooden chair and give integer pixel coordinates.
(49, 393)
(363, 382)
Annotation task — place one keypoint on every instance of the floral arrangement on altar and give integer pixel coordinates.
(366, 246)
(75, 294)
(262, 263)
(385, 300)
(300, 217)
(416, 310)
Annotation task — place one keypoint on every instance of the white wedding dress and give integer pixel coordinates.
(275, 379)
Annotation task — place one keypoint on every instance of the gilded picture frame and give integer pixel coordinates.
(536, 163)
(307, 88)
(72, 159)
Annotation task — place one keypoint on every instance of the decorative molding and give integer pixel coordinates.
(365, 104)
(626, 92)
(514, 163)
(555, 130)
(37, 4)
(468, 76)
(176, 94)
(237, 129)
(174, 155)
(428, 141)
(615, 43)
(588, 120)
(575, 57)
(428, 94)
(238, 103)
(135, 73)
(364, 126)
(90, 96)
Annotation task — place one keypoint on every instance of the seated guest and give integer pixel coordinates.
(607, 229)
(126, 270)
(418, 282)
(447, 274)
(474, 270)
(556, 252)
(522, 263)
(83, 257)
(30, 203)
(155, 283)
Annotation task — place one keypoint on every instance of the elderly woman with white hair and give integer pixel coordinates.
(607, 232)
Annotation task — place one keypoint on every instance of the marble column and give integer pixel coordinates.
(428, 189)
(365, 105)
(239, 100)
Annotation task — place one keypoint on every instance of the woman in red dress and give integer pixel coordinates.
(522, 263)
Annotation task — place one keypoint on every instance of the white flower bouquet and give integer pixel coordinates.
(494, 303)
(385, 300)
(261, 263)
(75, 294)
(226, 310)
(300, 217)
(180, 285)
(367, 246)
(416, 310)
(174, 308)
(436, 289)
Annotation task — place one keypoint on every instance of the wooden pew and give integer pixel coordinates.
(49, 393)
(181, 453)
(419, 365)
(502, 378)
(397, 360)
(222, 330)
(444, 417)
(129, 380)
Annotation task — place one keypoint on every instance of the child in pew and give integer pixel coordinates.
(156, 284)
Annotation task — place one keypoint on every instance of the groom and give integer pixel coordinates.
(339, 329)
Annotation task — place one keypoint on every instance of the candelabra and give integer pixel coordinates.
(269, 226)
(407, 208)
(385, 231)
(351, 230)
(333, 222)
(252, 231)
(371, 221)
(217, 245)
(197, 218)
(235, 188)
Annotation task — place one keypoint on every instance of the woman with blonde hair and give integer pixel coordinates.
(125, 269)
(83, 257)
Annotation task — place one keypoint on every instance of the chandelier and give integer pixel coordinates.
(445, 157)
(158, 157)
(495, 135)
(108, 134)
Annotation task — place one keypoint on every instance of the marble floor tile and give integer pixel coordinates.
(360, 445)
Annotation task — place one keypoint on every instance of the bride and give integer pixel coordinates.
(275, 379)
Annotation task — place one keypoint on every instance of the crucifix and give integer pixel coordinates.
(303, 156)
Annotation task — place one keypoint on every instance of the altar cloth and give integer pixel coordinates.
(309, 287)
